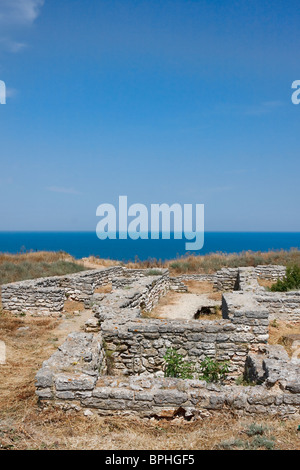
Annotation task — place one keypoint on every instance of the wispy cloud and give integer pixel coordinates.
(259, 109)
(263, 108)
(15, 15)
(23, 12)
(10, 45)
(56, 189)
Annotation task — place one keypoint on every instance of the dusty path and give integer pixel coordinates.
(183, 306)
(72, 322)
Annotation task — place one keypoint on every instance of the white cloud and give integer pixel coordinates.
(24, 12)
(15, 15)
(10, 45)
(56, 189)
(11, 92)
(249, 110)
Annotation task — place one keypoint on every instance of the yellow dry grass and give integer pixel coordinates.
(104, 289)
(36, 257)
(71, 306)
(279, 329)
(265, 282)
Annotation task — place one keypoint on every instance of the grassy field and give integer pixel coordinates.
(209, 263)
(212, 262)
(37, 264)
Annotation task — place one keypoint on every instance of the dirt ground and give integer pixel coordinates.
(24, 425)
(184, 306)
(176, 305)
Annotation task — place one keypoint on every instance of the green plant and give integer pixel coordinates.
(244, 382)
(153, 272)
(291, 280)
(257, 439)
(213, 371)
(176, 366)
(110, 361)
(256, 430)
(274, 324)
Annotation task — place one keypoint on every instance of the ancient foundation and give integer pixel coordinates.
(116, 365)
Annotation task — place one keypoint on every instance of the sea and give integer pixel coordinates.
(84, 244)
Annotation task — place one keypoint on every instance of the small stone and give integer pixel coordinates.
(2, 353)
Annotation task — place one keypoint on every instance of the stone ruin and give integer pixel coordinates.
(116, 365)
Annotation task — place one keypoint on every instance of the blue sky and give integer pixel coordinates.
(175, 101)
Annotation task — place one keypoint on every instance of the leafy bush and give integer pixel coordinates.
(291, 280)
(176, 366)
(213, 371)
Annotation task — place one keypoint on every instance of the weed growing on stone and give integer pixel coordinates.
(213, 371)
(176, 366)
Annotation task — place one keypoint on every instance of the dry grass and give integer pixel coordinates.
(186, 264)
(267, 283)
(36, 256)
(279, 329)
(203, 287)
(94, 262)
(33, 265)
(70, 306)
(104, 289)
(169, 299)
(23, 425)
(206, 263)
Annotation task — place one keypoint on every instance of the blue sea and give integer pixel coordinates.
(82, 244)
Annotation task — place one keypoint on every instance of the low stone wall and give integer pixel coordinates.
(247, 280)
(26, 297)
(270, 271)
(196, 277)
(225, 279)
(281, 305)
(163, 397)
(46, 296)
(171, 397)
(177, 285)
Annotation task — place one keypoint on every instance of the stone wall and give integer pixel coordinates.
(73, 378)
(225, 279)
(131, 347)
(46, 296)
(164, 397)
(137, 345)
(281, 305)
(270, 271)
(27, 297)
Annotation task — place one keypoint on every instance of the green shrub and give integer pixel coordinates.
(291, 280)
(213, 371)
(153, 272)
(256, 430)
(176, 366)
